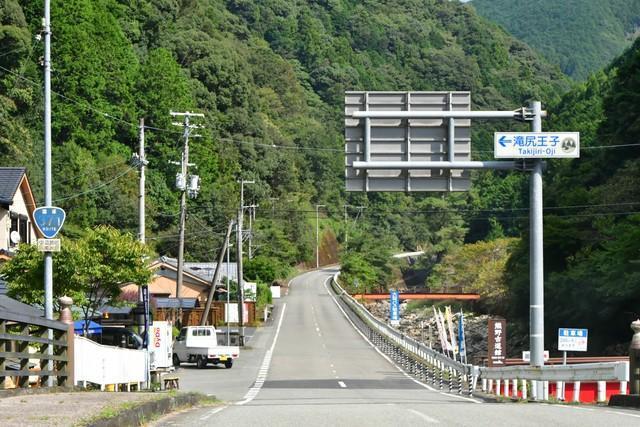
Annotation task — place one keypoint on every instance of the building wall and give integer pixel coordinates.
(19, 206)
(165, 285)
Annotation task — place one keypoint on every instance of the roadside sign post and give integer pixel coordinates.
(421, 141)
(571, 339)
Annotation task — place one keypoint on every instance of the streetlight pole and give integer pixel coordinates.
(318, 235)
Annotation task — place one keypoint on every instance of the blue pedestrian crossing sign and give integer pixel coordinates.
(49, 220)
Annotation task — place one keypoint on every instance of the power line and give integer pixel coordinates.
(91, 190)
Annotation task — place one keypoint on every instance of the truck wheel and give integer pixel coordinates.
(201, 362)
(228, 364)
(176, 360)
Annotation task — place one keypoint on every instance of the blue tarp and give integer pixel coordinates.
(94, 328)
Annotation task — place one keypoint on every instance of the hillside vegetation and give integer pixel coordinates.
(582, 36)
(270, 78)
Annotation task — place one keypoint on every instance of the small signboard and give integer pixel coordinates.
(49, 245)
(497, 342)
(49, 220)
(571, 339)
(394, 308)
(526, 356)
(536, 145)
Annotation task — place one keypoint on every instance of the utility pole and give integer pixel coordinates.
(239, 264)
(139, 161)
(142, 162)
(48, 256)
(252, 219)
(181, 184)
(318, 236)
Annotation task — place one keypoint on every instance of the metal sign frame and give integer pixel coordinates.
(359, 150)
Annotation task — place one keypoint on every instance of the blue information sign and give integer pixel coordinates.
(572, 339)
(49, 220)
(394, 308)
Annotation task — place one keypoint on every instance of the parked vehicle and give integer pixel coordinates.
(199, 344)
(118, 336)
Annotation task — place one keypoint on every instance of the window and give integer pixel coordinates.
(20, 224)
(24, 230)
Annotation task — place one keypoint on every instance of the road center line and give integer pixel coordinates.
(264, 369)
(424, 417)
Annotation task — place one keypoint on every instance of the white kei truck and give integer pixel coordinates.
(199, 344)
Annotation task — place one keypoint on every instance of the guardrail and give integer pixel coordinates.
(509, 381)
(415, 358)
(107, 365)
(517, 381)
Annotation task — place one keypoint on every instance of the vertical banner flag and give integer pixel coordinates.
(454, 345)
(145, 300)
(461, 339)
(443, 343)
(394, 308)
(447, 344)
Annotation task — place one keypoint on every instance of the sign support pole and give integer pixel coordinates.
(48, 256)
(536, 268)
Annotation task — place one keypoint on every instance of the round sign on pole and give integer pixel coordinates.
(49, 220)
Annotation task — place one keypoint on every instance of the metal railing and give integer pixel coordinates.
(439, 369)
(412, 356)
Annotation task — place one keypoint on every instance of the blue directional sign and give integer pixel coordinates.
(49, 220)
(394, 308)
(522, 145)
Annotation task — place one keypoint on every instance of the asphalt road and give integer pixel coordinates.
(310, 366)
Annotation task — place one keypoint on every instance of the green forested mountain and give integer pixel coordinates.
(270, 78)
(592, 223)
(582, 36)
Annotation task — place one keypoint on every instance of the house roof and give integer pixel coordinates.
(205, 270)
(175, 302)
(13, 306)
(3, 287)
(10, 179)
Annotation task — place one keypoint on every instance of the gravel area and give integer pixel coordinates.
(64, 409)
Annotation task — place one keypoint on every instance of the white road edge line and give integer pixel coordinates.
(213, 412)
(264, 369)
(424, 417)
(428, 387)
(623, 413)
